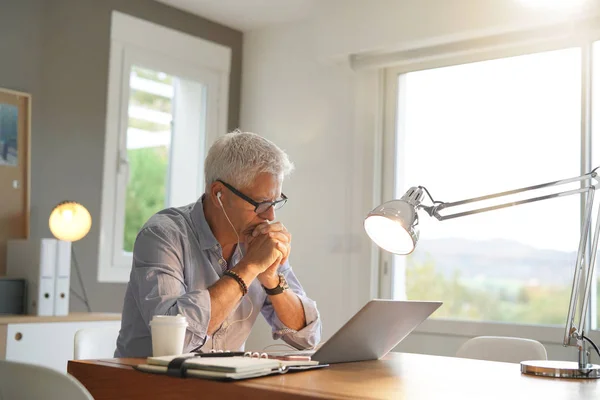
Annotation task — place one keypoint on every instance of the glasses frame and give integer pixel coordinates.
(256, 204)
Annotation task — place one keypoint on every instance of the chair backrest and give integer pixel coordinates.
(505, 349)
(95, 343)
(29, 381)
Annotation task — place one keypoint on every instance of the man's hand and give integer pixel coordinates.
(278, 232)
(270, 278)
(263, 252)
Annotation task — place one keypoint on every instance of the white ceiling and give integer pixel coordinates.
(246, 15)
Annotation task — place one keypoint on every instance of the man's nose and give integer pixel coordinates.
(269, 214)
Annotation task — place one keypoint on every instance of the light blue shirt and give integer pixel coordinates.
(176, 258)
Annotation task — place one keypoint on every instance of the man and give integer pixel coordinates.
(222, 259)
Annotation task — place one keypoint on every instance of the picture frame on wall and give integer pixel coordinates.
(9, 121)
(15, 145)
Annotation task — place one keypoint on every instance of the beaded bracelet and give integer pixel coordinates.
(239, 280)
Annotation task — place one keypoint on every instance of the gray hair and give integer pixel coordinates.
(238, 157)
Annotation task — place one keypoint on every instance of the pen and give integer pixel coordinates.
(223, 354)
(291, 358)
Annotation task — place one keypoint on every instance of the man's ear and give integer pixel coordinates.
(216, 193)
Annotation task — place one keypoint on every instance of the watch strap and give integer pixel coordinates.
(281, 286)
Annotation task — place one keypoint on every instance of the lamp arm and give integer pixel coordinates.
(435, 209)
(590, 268)
(573, 334)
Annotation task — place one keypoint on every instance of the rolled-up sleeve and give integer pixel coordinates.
(305, 338)
(157, 273)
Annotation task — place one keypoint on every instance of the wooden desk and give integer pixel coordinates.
(397, 376)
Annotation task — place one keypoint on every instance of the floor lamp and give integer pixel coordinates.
(70, 221)
(393, 226)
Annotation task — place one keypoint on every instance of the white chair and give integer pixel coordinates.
(504, 349)
(95, 343)
(29, 381)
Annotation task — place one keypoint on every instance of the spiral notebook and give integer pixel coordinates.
(222, 368)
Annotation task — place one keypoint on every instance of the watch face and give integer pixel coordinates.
(283, 283)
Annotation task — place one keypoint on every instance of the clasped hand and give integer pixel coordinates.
(268, 247)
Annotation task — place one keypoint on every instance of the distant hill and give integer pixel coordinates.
(498, 258)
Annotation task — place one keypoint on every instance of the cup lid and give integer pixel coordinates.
(169, 320)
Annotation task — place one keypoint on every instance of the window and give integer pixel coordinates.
(167, 98)
(468, 129)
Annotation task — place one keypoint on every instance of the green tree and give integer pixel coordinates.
(146, 190)
(491, 300)
(424, 282)
(544, 305)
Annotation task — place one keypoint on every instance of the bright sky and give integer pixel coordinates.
(486, 127)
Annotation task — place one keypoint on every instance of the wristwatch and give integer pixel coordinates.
(283, 285)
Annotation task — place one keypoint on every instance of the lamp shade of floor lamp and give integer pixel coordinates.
(70, 221)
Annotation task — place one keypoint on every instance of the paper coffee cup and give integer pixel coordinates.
(168, 334)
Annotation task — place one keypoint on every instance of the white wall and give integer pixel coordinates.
(304, 107)
(299, 91)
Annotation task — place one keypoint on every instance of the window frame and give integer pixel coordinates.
(138, 42)
(402, 63)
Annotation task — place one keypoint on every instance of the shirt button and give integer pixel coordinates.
(221, 262)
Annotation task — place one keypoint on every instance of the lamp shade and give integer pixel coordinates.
(70, 221)
(393, 226)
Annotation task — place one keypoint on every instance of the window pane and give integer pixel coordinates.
(482, 128)
(148, 147)
(165, 145)
(595, 163)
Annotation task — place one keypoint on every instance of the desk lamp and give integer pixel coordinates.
(393, 226)
(70, 221)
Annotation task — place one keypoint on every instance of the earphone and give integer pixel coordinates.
(228, 220)
(225, 324)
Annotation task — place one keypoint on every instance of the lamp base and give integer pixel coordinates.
(560, 369)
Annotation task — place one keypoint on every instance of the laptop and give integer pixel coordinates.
(373, 331)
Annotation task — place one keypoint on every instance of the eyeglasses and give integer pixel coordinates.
(261, 207)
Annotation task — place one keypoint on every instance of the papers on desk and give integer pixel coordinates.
(222, 368)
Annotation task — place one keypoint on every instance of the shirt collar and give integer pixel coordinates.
(205, 234)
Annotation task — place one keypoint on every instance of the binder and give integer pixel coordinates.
(193, 365)
(63, 278)
(35, 260)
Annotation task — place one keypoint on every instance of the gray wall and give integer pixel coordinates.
(58, 50)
